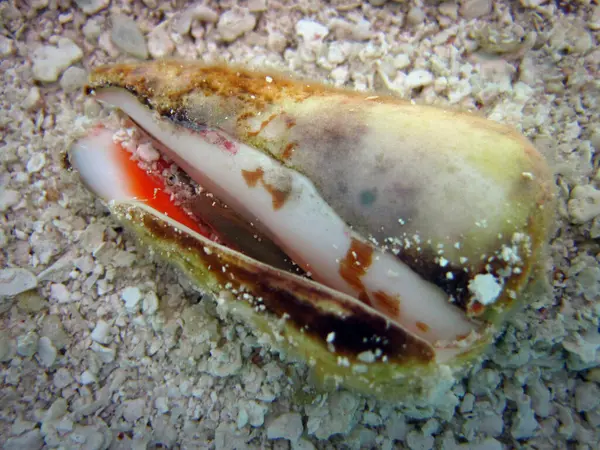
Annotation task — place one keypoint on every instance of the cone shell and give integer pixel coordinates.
(447, 192)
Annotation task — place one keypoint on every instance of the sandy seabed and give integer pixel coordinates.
(103, 346)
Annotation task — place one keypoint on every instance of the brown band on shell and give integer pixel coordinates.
(387, 304)
(288, 151)
(279, 196)
(355, 264)
(263, 125)
(167, 83)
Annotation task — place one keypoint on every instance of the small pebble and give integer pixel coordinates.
(467, 403)
(106, 354)
(65, 18)
(87, 377)
(449, 9)
(50, 61)
(234, 23)
(131, 296)
(256, 413)
(6, 347)
(36, 162)
(416, 440)
(524, 423)
(257, 5)
(85, 264)
(594, 22)
(488, 444)
(60, 293)
(33, 100)
(305, 444)
(31, 302)
(15, 281)
(150, 304)
(128, 38)
(27, 344)
(65, 425)
(8, 199)
(418, 78)
(91, 108)
(52, 328)
(160, 43)
(401, 61)
(101, 333)
(62, 378)
(415, 16)
(310, 31)
(286, 426)
(242, 418)
(584, 204)
(396, 427)
(134, 409)
(92, 30)
(484, 382)
(588, 282)
(471, 9)
(88, 435)
(92, 6)
(162, 405)
(57, 409)
(540, 398)
(346, 30)
(20, 426)
(587, 396)
(46, 352)
(32, 440)
(73, 79)
(7, 46)
(182, 22)
(277, 42)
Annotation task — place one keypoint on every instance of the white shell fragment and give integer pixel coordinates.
(46, 352)
(27, 344)
(36, 162)
(101, 332)
(15, 281)
(485, 288)
(287, 426)
(584, 204)
(50, 61)
(106, 354)
(127, 36)
(131, 296)
(235, 22)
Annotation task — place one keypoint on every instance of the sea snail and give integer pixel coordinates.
(381, 241)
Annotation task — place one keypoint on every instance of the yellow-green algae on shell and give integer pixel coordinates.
(439, 160)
